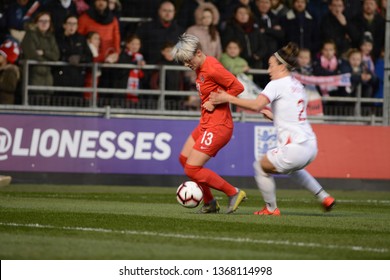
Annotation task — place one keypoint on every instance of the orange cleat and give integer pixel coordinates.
(266, 212)
(328, 203)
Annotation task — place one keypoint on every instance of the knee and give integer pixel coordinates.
(262, 167)
(192, 171)
(267, 166)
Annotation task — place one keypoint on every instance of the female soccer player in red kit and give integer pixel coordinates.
(215, 127)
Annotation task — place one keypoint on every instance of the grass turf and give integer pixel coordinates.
(110, 222)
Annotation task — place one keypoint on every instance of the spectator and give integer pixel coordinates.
(9, 72)
(93, 43)
(369, 21)
(207, 18)
(360, 75)
(335, 26)
(232, 60)
(40, 44)
(18, 15)
(59, 10)
(242, 28)
(271, 31)
(99, 18)
(239, 67)
(131, 79)
(328, 64)
(300, 27)
(155, 33)
(278, 9)
(366, 48)
(74, 50)
(305, 67)
(174, 80)
(226, 9)
(161, 29)
(270, 28)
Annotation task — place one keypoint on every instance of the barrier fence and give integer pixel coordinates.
(154, 101)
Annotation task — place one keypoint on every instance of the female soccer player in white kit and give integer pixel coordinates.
(297, 144)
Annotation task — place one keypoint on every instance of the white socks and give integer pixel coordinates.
(304, 178)
(266, 185)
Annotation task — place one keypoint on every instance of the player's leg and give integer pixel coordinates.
(305, 179)
(195, 169)
(185, 152)
(281, 160)
(205, 147)
(303, 154)
(206, 177)
(266, 184)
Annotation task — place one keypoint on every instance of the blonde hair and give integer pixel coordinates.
(186, 47)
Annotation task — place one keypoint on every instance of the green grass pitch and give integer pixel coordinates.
(147, 223)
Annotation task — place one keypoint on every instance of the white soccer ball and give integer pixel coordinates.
(189, 194)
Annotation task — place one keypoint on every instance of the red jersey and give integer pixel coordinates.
(109, 34)
(212, 76)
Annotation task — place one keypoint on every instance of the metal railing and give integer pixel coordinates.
(161, 93)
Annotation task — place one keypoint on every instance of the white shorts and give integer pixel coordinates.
(293, 156)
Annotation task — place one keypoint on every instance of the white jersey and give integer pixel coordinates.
(288, 102)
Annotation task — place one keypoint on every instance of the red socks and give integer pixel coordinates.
(205, 176)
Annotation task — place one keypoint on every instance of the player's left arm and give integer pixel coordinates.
(255, 105)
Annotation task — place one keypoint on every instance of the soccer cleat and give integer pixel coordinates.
(5, 180)
(266, 212)
(328, 203)
(235, 200)
(212, 207)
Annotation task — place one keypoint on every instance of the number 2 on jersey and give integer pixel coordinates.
(302, 112)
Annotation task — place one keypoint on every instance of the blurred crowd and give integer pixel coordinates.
(335, 37)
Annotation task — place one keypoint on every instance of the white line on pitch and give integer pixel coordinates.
(183, 236)
(368, 201)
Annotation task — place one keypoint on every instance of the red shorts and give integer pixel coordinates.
(209, 141)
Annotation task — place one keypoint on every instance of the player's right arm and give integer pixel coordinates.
(227, 80)
(255, 105)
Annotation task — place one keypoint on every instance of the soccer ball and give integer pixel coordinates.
(189, 194)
